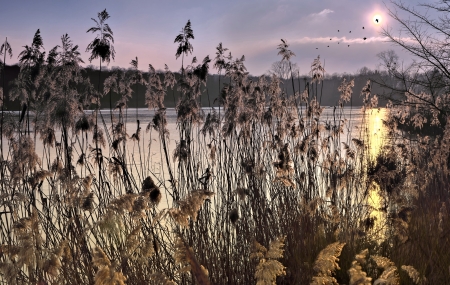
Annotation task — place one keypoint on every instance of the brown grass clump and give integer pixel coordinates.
(99, 137)
(326, 263)
(357, 275)
(284, 167)
(9, 272)
(268, 267)
(184, 255)
(38, 177)
(123, 203)
(414, 274)
(24, 157)
(106, 270)
(29, 241)
(53, 263)
(389, 274)
(181, 151)
(161, 279)
(149, 188)
(273, 164)
(189, 206)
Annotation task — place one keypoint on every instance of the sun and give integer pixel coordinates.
(377, 19)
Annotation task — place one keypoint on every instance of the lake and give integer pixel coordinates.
(148, 151)
(262, 187)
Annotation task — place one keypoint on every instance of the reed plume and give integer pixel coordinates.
(326, 263)
(189, 206)
(106, 270)
(185, 256)
(389, 274)
(357, 275)
(268, 267)
(414, 274)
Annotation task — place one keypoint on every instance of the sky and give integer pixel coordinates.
(254, 28)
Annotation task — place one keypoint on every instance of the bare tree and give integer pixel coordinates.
(425, 38)
(282, 69)
(423, 82)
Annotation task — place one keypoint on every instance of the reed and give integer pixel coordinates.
(263, 190)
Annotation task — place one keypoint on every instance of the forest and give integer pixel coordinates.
(209, 95)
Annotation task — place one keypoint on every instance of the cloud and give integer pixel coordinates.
(322, 13)
(307, 40)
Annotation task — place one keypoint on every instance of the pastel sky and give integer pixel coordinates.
(146, 29)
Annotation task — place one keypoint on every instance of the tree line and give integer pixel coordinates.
(210, 94)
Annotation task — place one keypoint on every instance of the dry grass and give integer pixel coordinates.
(264, 190)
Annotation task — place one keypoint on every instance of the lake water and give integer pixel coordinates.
(146, 156)
(147, 153)
(353, 116)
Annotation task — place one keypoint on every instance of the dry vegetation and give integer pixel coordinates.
(263, 190)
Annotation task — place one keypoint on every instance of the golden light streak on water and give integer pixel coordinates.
(379, 217)
(376, 133)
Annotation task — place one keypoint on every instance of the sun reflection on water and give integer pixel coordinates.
(376, 133)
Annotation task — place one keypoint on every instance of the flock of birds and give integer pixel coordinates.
(376, 20)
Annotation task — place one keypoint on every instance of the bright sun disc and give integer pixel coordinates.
(377, 19)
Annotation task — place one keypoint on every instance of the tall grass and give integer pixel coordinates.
(263, 190)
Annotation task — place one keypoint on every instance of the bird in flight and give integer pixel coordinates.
(338, 30)
(363, 28)
(365, 38)
(349, 45)
(350, 31)
(376, 20)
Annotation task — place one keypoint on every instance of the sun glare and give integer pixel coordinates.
(377, 19)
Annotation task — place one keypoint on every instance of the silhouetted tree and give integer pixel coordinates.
(282, 69)
(427, 79)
